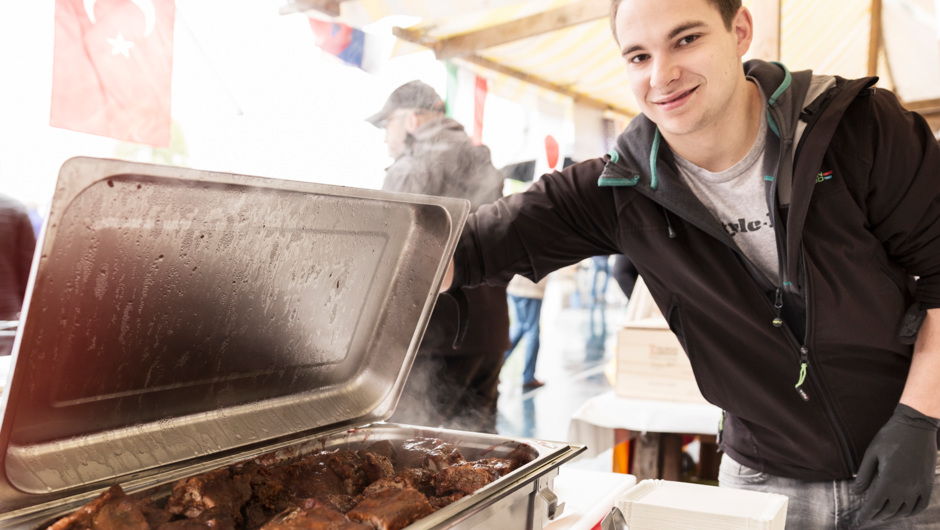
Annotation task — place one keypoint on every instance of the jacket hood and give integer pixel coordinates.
(642, 160)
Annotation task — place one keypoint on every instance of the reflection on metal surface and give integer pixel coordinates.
(614, 520)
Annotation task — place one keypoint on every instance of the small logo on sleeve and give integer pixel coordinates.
(821, 177)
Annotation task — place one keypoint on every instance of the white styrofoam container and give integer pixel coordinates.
(657, 504)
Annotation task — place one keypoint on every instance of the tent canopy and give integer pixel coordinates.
(566, 46)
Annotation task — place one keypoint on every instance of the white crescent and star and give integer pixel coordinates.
(118, 44)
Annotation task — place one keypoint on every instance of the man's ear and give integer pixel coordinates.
(743, 27)
(411, 121)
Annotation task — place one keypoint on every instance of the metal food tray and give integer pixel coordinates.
(177, 320)
(521, 499)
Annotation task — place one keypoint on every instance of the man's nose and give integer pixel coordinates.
(665, 71)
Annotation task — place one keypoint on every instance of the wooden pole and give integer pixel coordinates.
(874, 38)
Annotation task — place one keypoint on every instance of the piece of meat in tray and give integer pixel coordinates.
(381, 486)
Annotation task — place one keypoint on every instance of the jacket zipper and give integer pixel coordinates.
(805, 371)
(847, 453)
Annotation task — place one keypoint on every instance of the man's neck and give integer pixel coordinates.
(726, 142)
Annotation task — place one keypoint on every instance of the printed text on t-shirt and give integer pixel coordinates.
(742, 225)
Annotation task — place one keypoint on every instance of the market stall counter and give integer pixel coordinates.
(653, 428)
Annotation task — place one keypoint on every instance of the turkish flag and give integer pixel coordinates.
(112, 68)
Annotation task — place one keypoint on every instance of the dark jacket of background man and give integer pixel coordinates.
(17, 244)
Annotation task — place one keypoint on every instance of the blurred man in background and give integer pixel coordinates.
(455, 378)
(17, 244)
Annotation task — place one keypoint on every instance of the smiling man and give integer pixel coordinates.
(788, 226)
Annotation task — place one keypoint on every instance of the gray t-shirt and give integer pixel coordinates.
(737, 200)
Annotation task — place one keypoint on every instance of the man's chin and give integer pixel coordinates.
(676, 125)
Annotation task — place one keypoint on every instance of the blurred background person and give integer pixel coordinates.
(453, 384)
(600, 266)
(525, 298)
(17, 244)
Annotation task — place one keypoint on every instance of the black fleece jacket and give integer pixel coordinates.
(853, 187)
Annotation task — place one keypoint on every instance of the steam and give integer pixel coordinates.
(434, 397)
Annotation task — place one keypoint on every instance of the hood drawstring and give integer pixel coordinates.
(672, 231)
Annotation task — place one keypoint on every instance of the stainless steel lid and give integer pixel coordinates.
(175, 314)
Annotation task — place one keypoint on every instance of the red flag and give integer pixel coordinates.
(338, 39)
(479, 102)
(355, 47)
(112, 68)
(551, 151)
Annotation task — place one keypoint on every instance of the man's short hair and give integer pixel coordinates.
(727, 8)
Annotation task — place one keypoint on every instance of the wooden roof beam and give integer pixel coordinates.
(926, 107)
(531, 26)
(548, 85)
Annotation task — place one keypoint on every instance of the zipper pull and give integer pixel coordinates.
(778, 305)
(804, 362)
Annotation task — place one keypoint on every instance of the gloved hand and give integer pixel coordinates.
(899, 465)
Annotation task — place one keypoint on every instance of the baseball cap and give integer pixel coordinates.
(411, 95)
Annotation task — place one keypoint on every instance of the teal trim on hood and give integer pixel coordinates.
(614, 155)
(654, 152)
(787, 79)
(624, 181)
(609, 182)
(773, 124)
(784, 85)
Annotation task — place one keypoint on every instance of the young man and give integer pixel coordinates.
(788, 227)
(452, 384)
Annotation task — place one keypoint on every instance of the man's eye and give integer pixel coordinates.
(637, 59)
(688, 39)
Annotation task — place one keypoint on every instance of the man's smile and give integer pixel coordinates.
(678, 100)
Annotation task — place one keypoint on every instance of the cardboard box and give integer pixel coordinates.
(651, 364)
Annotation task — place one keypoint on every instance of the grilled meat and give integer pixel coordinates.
(380, 487)
(391, 509)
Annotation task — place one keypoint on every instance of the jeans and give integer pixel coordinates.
(823, 505)
(526, 324)
(601, 266)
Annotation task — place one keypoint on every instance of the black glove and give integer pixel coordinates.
(899, 466)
